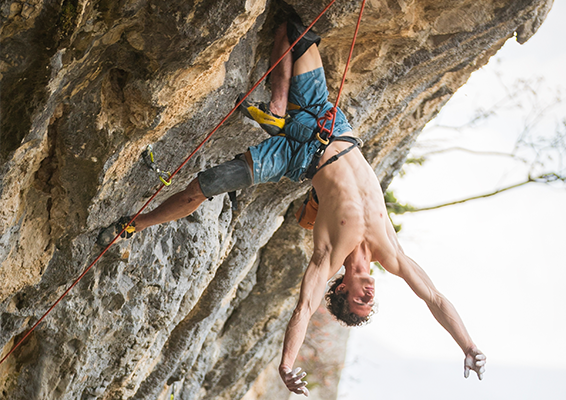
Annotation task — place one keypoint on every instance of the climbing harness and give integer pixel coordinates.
(149, 159)
(24, 337)
(313, 167)
(306, 214)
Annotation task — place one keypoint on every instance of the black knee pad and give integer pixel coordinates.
(228, 177)
(294, 29)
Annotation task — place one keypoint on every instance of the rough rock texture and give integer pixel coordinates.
(198, 305)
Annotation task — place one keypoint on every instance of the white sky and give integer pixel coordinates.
(501, 261)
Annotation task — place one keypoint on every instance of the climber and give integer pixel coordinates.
(352, 226)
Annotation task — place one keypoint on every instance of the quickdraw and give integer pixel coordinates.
(148, 157)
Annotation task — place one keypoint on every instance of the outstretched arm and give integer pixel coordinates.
(444, 312)
(312, 292)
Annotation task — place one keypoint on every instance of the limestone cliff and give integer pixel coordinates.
(198, 305)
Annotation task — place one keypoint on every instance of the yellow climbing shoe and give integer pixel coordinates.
(260, 113)
(108, 234)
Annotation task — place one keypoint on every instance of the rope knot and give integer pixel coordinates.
(324, 132)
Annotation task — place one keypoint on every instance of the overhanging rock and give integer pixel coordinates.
(200, 303)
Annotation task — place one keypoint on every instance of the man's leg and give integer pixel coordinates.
(309, 61)
(281, 75)
(179, 205)
(186, 202)
(227, 177)
(271, 116)
(304, 58)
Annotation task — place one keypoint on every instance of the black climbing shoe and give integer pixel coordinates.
(260, 112)
(108, 234)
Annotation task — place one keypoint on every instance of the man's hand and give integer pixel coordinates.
(475, 360)
(294, 380)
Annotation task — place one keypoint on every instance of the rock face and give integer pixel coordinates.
(197, 306)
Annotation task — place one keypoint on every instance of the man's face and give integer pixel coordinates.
(361, 293)
(362, 303)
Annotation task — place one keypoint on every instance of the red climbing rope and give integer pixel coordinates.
(331, 114)
(351, 52)
(169, 181)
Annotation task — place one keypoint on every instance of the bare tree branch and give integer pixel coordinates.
(537, 146)
(477, 152)
(545, 178)
(481, 196)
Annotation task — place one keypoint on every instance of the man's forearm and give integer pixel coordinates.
(448, 317)
(312, 291)
(446, 314)
(294, 336)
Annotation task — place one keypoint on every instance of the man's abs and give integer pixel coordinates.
(351, 208)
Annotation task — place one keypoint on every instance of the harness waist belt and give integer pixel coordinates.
(313, 167)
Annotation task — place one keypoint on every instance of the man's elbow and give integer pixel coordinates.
(435, 299)
(303, 310)
(320, 254)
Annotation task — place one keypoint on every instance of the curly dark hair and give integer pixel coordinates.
(338, 306)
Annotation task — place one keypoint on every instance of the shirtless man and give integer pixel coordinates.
(352, 226)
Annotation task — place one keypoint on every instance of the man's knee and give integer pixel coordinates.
(227, 177)
(193, 192)
(294, 28)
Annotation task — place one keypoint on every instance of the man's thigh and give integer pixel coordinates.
(308, 89)
(270, 159)
(309, 61)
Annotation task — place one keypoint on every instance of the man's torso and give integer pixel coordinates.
(352, 210)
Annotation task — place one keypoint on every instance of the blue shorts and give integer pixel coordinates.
(291, 155)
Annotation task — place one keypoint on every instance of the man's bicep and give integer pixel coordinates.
(389, 250)
(398, 263)
(417, 279)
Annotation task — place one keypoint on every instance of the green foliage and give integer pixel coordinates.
(414, 161)
(375, 265)
(67, 17)
(393, 205)
(397, 227)
(418, 160)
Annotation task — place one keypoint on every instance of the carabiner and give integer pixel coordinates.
(148, 157)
